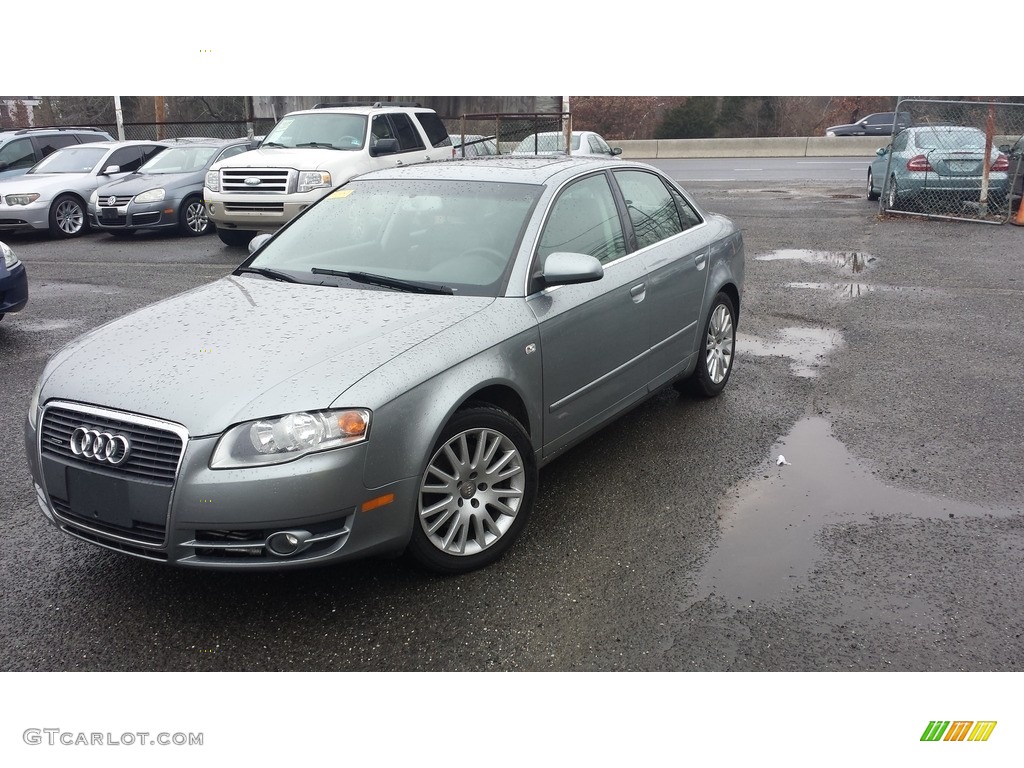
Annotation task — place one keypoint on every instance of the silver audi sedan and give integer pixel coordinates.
(389, 371)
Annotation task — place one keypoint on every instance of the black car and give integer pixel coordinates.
(21, 149)
(878, 124)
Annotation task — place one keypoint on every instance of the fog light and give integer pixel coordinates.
(288, 543)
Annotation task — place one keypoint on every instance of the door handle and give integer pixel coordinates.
(701, 260)
(638, 292)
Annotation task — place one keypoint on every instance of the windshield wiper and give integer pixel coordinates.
(273, 274)
(317, 144)
(388, 282)
(272, 144)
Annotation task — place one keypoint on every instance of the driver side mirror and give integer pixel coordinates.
(110, 169)
(616, 150)
(259, 241)
(384, 147)
(563, 268)
(882, 151)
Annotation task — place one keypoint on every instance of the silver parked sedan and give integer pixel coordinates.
(388, 372)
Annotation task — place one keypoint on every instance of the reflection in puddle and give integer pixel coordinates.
(853, 290)
(807, 348)
(770, 531)
(847, 261)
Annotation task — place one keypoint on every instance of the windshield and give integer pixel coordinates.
(547, 142)
(180, 160)
(460, 235)
(71, 160)
(332, 131)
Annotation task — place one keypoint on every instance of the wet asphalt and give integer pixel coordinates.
(893, 539)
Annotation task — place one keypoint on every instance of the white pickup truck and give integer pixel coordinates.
(310, 152)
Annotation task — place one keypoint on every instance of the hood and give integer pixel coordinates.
(244, 348)
(136, 183)
(304, 158)
(41, 182)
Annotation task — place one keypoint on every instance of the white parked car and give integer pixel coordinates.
(581, 143)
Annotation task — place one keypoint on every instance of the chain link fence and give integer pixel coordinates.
(507, 132)
(205, 129)
(955, 160)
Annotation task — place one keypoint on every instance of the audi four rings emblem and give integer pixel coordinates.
(101, 446)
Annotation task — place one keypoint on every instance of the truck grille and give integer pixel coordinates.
(231, 207)
(270, 180)
(154, 456)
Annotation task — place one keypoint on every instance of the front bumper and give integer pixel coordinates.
(216, 519)
(258, 212)
(25, 217)
(13, 288)
(156, 215)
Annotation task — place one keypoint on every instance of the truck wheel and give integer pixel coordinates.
(236, 238)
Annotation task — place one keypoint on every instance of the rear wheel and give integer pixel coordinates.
(716, 354)
(236, 238)
(192, 218)
(892, 199)
(476, 491)
(67, 217)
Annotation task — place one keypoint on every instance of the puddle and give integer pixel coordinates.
(770, 529)
(853, 290)
(846, 261)
(64, 289)
(807, 348)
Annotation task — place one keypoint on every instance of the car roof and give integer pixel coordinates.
(358, 110)
(513, 169)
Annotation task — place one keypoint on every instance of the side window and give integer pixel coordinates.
(380, 128)
(900, 142)
(48, 144)
(687, 213)
(408, 137)
(148, 153)
(126, 158)
(584, 220)
(651, 208)
(434, 128)
(594, 146)
(17, 154)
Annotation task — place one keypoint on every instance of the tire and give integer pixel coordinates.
(872, 194)
(717, 351)
(67, 217)
(193, 220)
(892, 197)
(236, 238)
(475, 493)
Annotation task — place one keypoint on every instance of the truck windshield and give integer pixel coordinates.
(319, 130)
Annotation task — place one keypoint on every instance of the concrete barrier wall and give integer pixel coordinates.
(813, 146)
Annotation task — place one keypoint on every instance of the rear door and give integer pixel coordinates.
(674, 245)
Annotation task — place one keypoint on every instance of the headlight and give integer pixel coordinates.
(273, 441)
(152, 196)
(94, 198)
(31, 197)
(309, 180)
(830, 133)
(33, 404)
(213, 181)
(9, 258)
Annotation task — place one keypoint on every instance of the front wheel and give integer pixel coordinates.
(476, 492)
(872, 193)
(67, 217)
(236, 238)
(192, 218)
(716, 355)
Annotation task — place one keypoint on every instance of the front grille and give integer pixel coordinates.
(117, 546)
(270, 180)
(155, 452)
(254, 207)
(118, 200)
